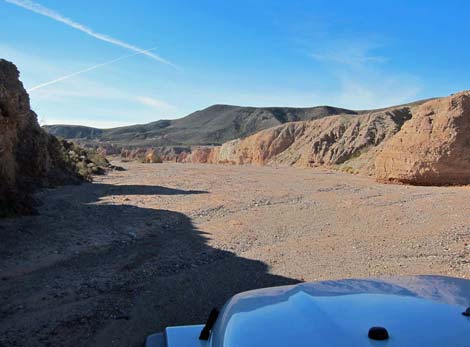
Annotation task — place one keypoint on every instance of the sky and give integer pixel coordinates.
(108, 63)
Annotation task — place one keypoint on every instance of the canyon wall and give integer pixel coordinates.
(422, 144)
(433, 148)
(29, 157)
(345, 142)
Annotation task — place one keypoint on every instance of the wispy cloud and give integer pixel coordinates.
(88, 91)
(38, 8)
(353, 53)
(83, 96)
(362, 77)
(353, 58)
(45, 84)
(379, 90)
(154, 103)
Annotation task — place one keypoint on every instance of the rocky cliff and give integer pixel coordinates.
(433, 148)
(29, 157)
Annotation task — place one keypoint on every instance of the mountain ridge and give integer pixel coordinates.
(213, 125)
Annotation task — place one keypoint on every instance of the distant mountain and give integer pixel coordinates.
(73, 131)
(212, 126)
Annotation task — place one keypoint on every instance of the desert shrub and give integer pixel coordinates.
(347, 169)
(84, 162)
(152, 157)
(355, 155)
(98, 159)
(140, 158)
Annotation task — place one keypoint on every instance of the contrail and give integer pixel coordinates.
(37, 8)
(87, 69)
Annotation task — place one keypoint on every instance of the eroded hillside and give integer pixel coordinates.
(433, 148)
(426, 144)
(338, 141)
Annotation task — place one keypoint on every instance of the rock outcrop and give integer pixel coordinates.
(433, 148)
(29, 157)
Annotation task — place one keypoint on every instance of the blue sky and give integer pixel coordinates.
(354, 54)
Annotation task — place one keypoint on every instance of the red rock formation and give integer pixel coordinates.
(433, 148)
(205, 155)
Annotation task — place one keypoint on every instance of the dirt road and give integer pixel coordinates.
(110, 262)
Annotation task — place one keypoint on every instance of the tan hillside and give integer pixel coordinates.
(433, 148)
(336, 141)
(424, 144)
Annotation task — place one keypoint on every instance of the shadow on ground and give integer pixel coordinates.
(108, 189)
(122, 272)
